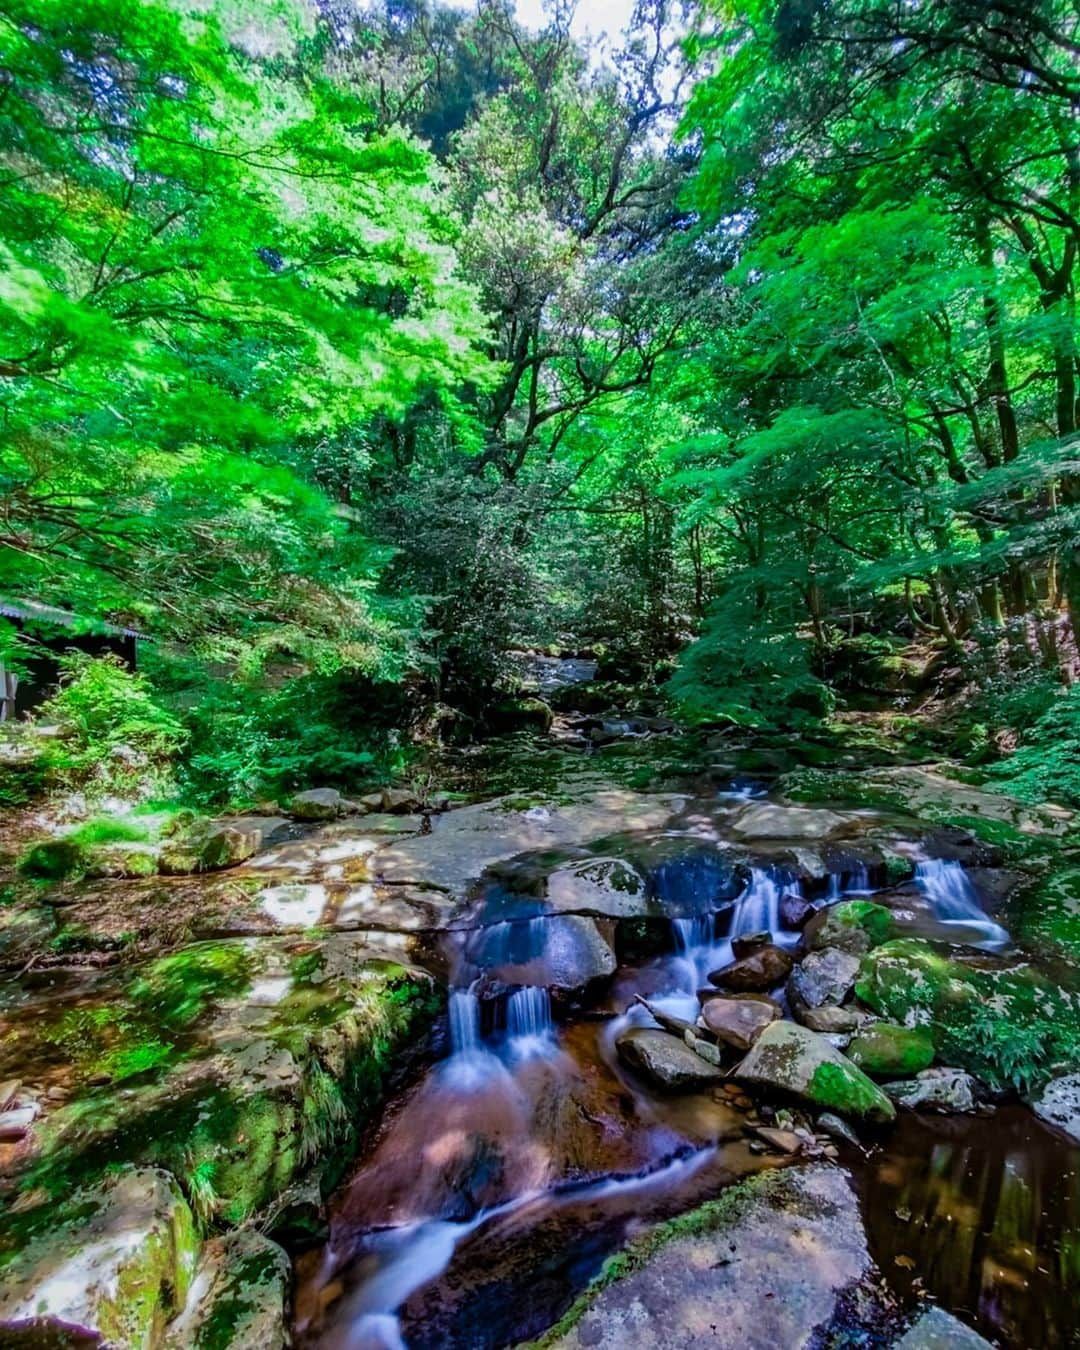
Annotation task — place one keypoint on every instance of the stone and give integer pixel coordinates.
(9, 1090)
(238, 1298)
(114, 1264)
(885, 1050)
(758, 1268)
(568, 954)
(607, 887)
(762, 969)
(837, 1128)
(831, 1020)
(676, 1026)
(768, 820)
(707, 1050)
(320, 804)
(795, 911)
(524, 714)
(668, 1063)
(824, 977)
(945, 1091)
(793, 1060)
(739, 1021)
(749, 943)
(400, 801)
(935, 1329)
(211, 846)
(853, 925)
(16, 1121)
(784, 1141)
(1059, 1104)
(123, 861)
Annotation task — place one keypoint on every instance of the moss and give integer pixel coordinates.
(849, 1092)
(1050, 916)
(874, 920)
(54, 860)
(177, 988)
(887, 1050)
(110, 830)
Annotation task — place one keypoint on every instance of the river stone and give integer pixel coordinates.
(936, 1329)
(238, 1298)
(739, 1021)
(466, 841)
(825, 977)
(791, 1059)
(749, 943)
(665, 1061)
(831, 1020)
(116, 1268)
(767, 820)
(795, 911)
(759, 1269)
(947, 1091)
(885, 1050)
(210, 846)
(320, 804)
(853, 926)
(762, 969)
(1059, 1104)
(605, 886)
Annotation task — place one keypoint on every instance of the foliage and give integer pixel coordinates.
(112, 731)
(1046, 764)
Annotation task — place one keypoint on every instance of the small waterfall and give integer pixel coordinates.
(945, 884)
(464, 1021)
(528, 1020)
(757, 910)
(690, 934)
(859, 881)
(834, 892)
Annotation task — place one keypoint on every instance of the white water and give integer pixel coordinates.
(412, 1256)
(529, 1025)
(952, 896)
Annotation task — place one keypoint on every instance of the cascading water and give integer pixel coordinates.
(529, 1026)
(464, 1021)
(757, 910)
(949, 890)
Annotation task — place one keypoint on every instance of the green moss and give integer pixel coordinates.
(849, 1092)
(177, 988)
(874, 920)
(891, 1051)
(1050, 915)
(110, 830)
(54, 860)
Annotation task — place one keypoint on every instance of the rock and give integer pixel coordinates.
(676, 1026)
(1059, 1104)
(465, 842)
(824, 977)
(522, 714)
(400, 802)
(885, 1050)
(784, 1141)
(748, 943)
(320, 804)
(852, 925)
(758, 1269)
(211, 846)
(831, 1020)
(951, 843)
(8, 1091)
(125, 861)
(668, 1063)
(762, 969)
(565, 953)
(794, 912)
(54, 860)
(114, 1264)
(935, 1329)
(739, 1021)
(767, 820)
(706, 1049)
(948, 1091)
(238, 1299)
(832, 1125)
(791, 1059)
(601, 886)
(16, 1121)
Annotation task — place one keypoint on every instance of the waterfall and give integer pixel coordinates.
(952, 896)
(528, 1022)
(464, 1022)
(690, 934)
(757, 910)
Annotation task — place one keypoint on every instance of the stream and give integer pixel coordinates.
(496, 1186)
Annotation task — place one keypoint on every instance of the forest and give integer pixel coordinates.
(539, 674)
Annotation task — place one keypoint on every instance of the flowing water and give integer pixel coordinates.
(498, 1184)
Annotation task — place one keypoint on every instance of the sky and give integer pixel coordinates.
(593, 16)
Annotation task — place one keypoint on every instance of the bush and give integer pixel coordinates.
(113, 734)
(1046, 764)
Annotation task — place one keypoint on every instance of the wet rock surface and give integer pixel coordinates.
(669, 1063)
(788, 1058)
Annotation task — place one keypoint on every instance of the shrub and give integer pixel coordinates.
(1046, 764)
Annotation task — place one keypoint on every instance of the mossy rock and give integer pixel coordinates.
(126, 1248)
(54, 860)
(853, 925)
(207, 847)
(1050, 914)
(522, 714)
(240, 1299)
(794, 1061)
(1008, 1024)
(886, 1050)
(123, 860)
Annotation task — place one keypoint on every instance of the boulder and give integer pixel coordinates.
(824, 977)
(852, 925)
(763, 969)
(749, 943)
(1059, 1104)
(607, 887)
(522, 714)
(758, 1268)
(831, 1020)
(795, 911)
(795, 1061)
(113, 1265)
(739, 1020)
(946, 1091)
(211, 846)
(935, 1329)
(668, 1063)
(123, 861)
(565, 953)
(400, 802)
(885, 1050)
(320, 804)
(238, 1299)
(768, 820)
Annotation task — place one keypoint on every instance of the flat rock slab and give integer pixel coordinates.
(759, 1269)
(664, 1060)
(768, 820)
(938, 1330)
(465, 842)
(607, 887)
